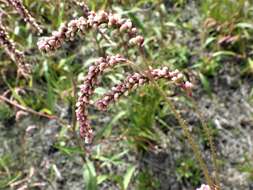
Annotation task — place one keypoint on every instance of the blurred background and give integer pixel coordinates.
(138, 142)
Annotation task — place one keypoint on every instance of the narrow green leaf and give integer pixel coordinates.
(209, 41)
(89, 175)
(102, 178)
(205, 84)
(128, 176)
(223, 53)
(137, 22)
(244, 25)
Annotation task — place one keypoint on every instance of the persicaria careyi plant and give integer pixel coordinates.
(100, 22)
(114, 35)
(92, 21)
(104, 24)
(80, 26)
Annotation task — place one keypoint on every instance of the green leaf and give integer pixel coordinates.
(248, 68)
(89, 175)
(47, 111)
(171, 24)
(106, 131)
(69, 150)
(244, 25)
(205, 84)
(101, 179)
(100, 91)
(128, 176)
(114, 159)
(223, 53)
(63, 64)
(61, 14)
(5, 113)
(137, 22)
(209, 41)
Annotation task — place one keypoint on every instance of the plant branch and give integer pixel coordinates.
(29, 110)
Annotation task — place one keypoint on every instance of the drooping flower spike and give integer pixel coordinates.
(80, 26)
(138, 79)
(87, 90)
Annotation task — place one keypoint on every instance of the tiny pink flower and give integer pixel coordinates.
(204, 187)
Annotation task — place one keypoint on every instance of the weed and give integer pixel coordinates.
(187, 170)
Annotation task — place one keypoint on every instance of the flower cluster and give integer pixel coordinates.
(91, 20)
(19, 7)
(139, 79)
(87, 90)
(16, 55)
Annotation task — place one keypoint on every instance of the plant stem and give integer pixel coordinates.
(210, 140)
(29, 110)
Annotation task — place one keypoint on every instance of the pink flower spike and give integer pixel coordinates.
(87, 89)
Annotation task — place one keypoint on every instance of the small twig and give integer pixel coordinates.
(29, 110)
(106, 37)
